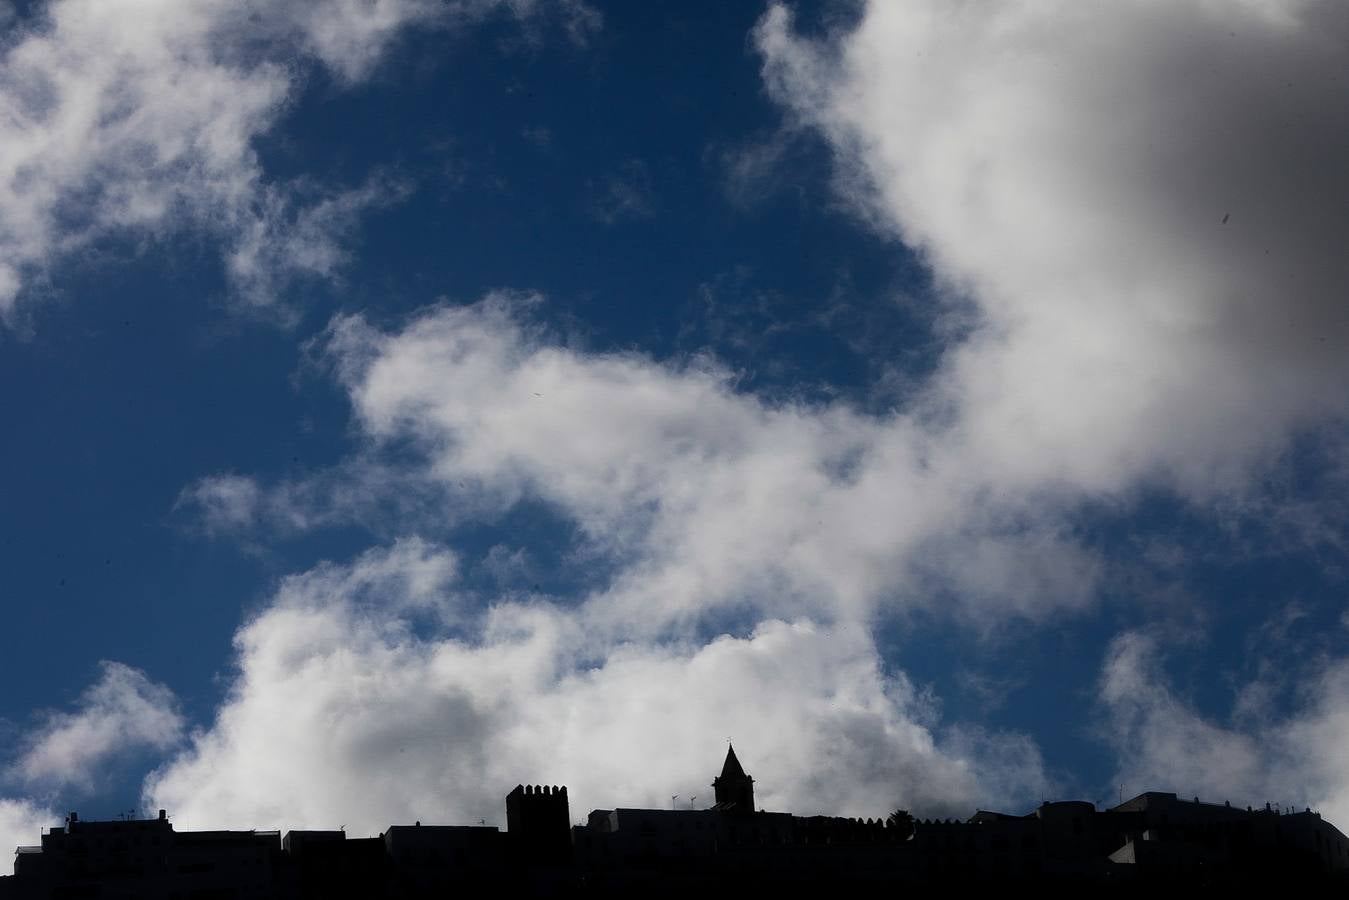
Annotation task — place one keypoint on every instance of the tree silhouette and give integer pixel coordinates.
(900, 819)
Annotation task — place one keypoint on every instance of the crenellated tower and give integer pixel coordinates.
(539, 821)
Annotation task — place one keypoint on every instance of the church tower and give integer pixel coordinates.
(734, 789)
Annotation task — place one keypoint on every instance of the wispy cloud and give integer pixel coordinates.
(755, 169)
(624, 195)
(134, 119)
(123, 712)
(1252, 757)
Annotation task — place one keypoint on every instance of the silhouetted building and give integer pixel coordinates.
(733, 789)
(538, 821)
(321, 864)
(1154, 841)
(146, 858)
(434, 860)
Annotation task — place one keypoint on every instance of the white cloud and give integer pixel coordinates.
(287, 239)
(1123, 333)
(1317, 736)
(137, 117)
(1160, 740)
(1063, 187)
(1140, 200)
(347, 712)
(790, 522)
(1138, 207)
(1163, 742)
(710, 501)
(123, 712)
(351, 36)
(21, 824)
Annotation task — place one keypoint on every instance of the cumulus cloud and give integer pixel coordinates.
(346, 711)
(1123, 332)
(1162, 741)
(708, 501)
(1136, 206)
(137, 117)
(747, 546)
(1096, 192)
(123, 712)
(1139, 200)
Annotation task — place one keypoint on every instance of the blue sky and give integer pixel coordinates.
(407, 399)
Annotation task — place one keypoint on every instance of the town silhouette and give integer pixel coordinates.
(1153, 842)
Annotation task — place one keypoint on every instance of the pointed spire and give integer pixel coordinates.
(732, 769)
(734, 788)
